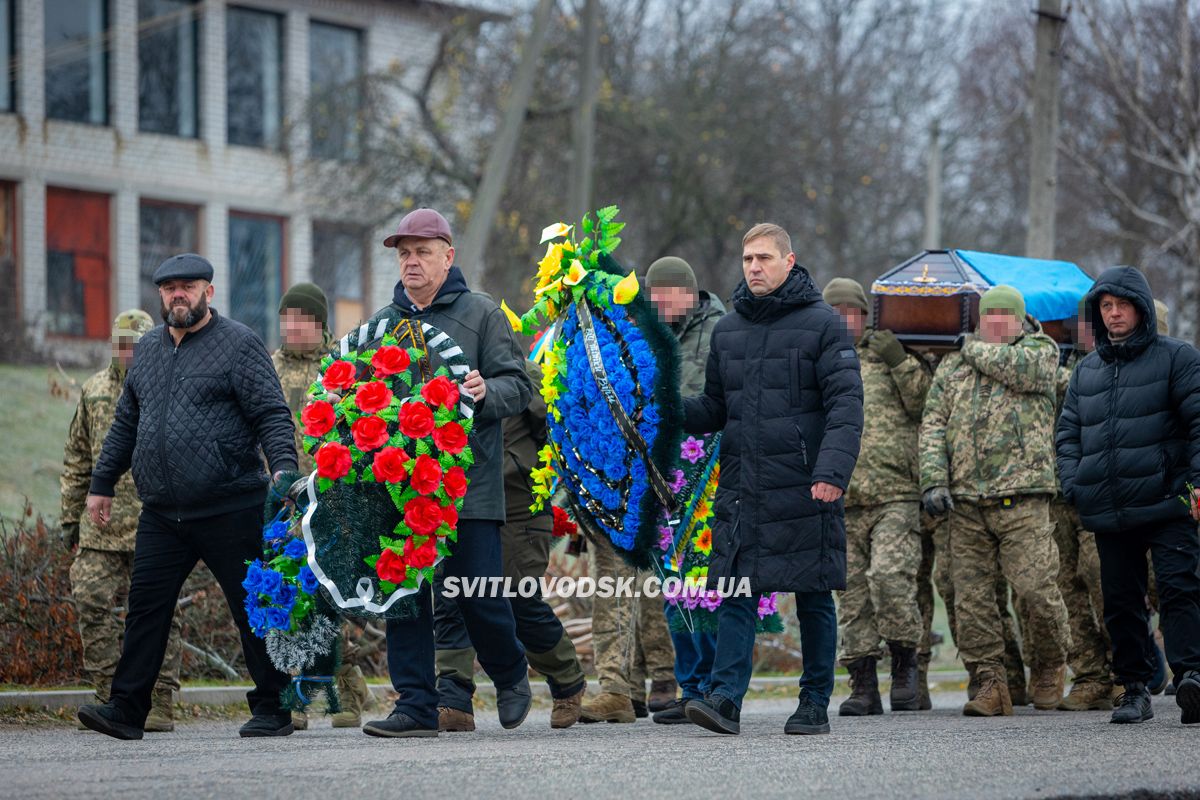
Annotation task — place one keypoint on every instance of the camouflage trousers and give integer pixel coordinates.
(100, 583)
(629, 634)
(883, 556)
(1011, 539)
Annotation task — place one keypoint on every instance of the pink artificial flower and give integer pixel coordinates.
(766, 605)
(710, 600)
(665, 539)
(678, 481)
(692, 450)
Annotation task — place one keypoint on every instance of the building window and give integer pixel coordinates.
(339, 267)
(78, 271)
(8, 55)
(168, 67)
(253, 71)
(77, 60)
(164, 230)
(256, 273)
(10, 309)
(335, 84)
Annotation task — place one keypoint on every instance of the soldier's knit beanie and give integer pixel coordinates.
(1161, 312)
(309, 298)
(671, 271)
(845, 291)
(1002, 298)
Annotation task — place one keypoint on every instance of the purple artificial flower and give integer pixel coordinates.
(710, 600)
(691, 599)
(678, 481)
(766, 605)
(692, 450)
(665, 538)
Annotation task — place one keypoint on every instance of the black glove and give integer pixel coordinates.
(70, 535)
(884, 344)
(937, 501)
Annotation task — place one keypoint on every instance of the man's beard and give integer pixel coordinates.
(176, 317)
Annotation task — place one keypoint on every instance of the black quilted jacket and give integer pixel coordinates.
(191, 421)
(783, 382)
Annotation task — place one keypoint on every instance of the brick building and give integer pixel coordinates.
(133, 129)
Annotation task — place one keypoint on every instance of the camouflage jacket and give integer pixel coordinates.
(93, 417)
(988, 430)
(893, 400)
(296, 373)
(694, 333)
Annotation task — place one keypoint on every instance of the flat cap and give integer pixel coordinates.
(184, 267)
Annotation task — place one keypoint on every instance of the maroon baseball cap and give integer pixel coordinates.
(424, 223)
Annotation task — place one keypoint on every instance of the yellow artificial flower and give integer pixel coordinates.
(551, 263)
(703, 541)
(555, 231)
(554, 285)
(513, 319)
(626, 289)
(575, 274)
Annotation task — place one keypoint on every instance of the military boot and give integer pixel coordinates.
(566, 710)
(1047, 686)
(1088, 696)
(299, 719)
(992, 699)
(864, 690)
(608, 707)
(904, 695)
(924, 702)
(661, 694)
(972, 682)
(162, 712)
(1017, 690)
(354, 694)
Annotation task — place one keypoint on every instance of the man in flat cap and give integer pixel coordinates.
(199, 402)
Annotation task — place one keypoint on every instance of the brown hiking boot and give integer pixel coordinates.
(451, 720)
(608, 707)
(353, 695)
(992, 699)
(566, 710)
(300, 720)
(1088, 696)
(662, 694)
(1047, 687)
(161, 718)
(924, 702)
(972, 682)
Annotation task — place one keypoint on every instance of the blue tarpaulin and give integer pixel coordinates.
(1052, 289)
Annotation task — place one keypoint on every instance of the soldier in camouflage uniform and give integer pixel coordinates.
(103, 566)
(883, 540)
(305, 338)
(986, 453)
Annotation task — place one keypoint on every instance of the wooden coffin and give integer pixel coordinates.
(929, 301)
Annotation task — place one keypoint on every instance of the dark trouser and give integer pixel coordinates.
(694, 654)
(734, 660)
(1175, 550)
(488, 622)
(165, 553)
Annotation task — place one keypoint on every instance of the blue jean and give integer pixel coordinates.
(734, 661)
(694, 654)
(489, 623)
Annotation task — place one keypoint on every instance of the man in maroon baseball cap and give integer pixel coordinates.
(424, 223)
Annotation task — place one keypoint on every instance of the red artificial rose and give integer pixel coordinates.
(455, 481)
(372, 396)
(389, 359)
(369, 433)
(563, 526)
(318, 418)
(423, 555)
(416, 420)
(422, 515)
(333, 460)
(450, 515)
(426, 475)
(390, 567)
(389, 465)
(440, 392)
(340, 375)
(450, 438)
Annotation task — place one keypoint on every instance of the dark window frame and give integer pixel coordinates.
(197, 80)
(106, 70)
(284, 257)
(360, 76)
(13, 56)
(281, 17)
(363, 234)
(144, 202)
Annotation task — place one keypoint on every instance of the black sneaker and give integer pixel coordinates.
(109, 720)
(1133, 705)
(1187, 695)
(640, 711)
(808, 718)
(717, 714)
(673, 714)
(267, 725)
(513, 704)
(398, 725)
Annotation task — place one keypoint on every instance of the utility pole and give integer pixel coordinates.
(585, 117)
(472, 247)
(1043, 161)
(933, 190)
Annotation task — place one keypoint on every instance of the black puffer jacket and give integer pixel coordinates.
(191, 421)
(1128, 440)
(783, 382)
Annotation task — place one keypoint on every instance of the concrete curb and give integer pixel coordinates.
(233, 695)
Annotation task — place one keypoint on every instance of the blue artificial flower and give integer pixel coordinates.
(258, 621)
(308, 581)
(269, 582)
(253, 578)
(296, 549)
(285, 595)
(250, 602)
(279, 618)
(275, 530)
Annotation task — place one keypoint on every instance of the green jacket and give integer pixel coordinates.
(988, 430)
(694, 332)
(524, 436)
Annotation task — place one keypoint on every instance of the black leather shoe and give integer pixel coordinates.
(717, 714)
(1133, 705)
(513, 704)
(267, 725)
(1187, 695)
(673, 714)
(808, 718)
(398, 725)
(109, 720)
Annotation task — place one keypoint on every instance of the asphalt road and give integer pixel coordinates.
(931, 754)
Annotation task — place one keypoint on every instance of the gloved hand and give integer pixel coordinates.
(884, 344)
(937, 501)
(70, 535)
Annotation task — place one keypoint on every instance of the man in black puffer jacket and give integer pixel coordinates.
(783, 382)
(200, 400)
(1128, 446)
